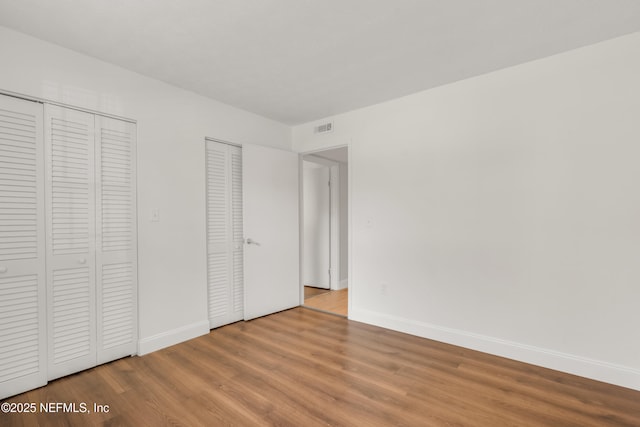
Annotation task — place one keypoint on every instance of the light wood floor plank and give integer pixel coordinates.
(332, 301)
(306, 368)
(310, 291)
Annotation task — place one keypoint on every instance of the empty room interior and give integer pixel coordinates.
(347, 213)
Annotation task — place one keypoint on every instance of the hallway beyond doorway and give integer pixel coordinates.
(331, 301)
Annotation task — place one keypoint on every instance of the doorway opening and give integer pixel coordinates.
(324, 230)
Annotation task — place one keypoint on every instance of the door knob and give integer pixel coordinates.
(82, 261)
(3, 269)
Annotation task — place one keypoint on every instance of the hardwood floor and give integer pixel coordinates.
(311, 291)
(305, 368)
(331, 301)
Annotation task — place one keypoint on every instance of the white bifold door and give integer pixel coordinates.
(252, 231)
(68, 276)
(116, 239)
(71, 265)
(224, 233)
(22, 236)
(91, 242)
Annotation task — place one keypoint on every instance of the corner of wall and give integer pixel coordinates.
(172, 337)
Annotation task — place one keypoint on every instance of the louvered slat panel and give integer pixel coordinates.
(117, 305)
(216, 197)
(236, 224)
(236, 195)
(71, 306)
(116, 185)
(70, 186)
(224, 233)
(22, 249)
(116, 254)
(238, 281)
(19, 327)
(218, 282)
(70, 197)
(18, 186)
(217, 262)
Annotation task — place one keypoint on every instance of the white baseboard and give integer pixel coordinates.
(172, 337)
(594, 369)
(344, 283)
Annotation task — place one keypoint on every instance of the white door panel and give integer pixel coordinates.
(270, 187)
(22, 249)
(70, 205)
(237, 236)
(116, 266)
(224, 233)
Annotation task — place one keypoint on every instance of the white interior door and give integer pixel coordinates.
(116, 241)
(224, 233)
(22, 273)
(271, 268)
(317, 225)
(70, 206)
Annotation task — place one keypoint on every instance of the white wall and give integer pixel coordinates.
(502, 212)
(316, 220)
(172, 125)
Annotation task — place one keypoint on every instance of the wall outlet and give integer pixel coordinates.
(383, 289)
(155, 215)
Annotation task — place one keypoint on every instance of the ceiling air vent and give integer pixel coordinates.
(327, 127)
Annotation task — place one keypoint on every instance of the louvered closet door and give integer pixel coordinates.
(237, 236)
(22, 272)
(224, 233)
(70, 204)
(116, 239)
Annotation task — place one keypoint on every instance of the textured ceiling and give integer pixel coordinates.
(299, 60)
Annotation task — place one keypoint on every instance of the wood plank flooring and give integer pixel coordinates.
(332, 301)
(305, 368)
(311, 291)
